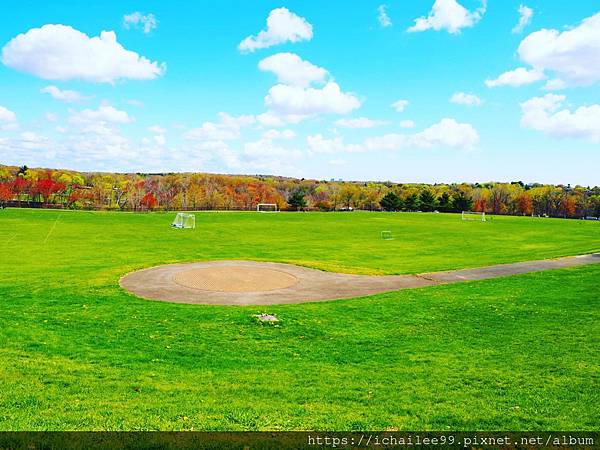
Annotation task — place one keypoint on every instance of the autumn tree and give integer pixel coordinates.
(149, 201)
(525, 203)
(371, 195)
(349, 194)
(6, 192)
(499, 198)
(209, 191)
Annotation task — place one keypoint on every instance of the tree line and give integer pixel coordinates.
(23, 186)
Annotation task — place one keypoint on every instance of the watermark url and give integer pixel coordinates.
(389, 440)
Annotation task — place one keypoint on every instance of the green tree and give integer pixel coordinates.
(297, 199)
(427, 200)
(391, 202)
(462, 202)
(445, 202)
(411, 203)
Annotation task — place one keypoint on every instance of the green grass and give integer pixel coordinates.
(76, 352)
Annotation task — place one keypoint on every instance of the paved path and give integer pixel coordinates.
(157, 283)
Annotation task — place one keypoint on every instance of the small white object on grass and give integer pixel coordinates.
(267, 318)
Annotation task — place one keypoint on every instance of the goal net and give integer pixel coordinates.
(387, 236)
(183, 220)
(267, 207)
(473, 215)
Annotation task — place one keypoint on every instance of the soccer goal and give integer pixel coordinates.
(183, 220)
(267, 207)
(473, 215)
(387, 236)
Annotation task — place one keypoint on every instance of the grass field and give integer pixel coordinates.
(76, 352)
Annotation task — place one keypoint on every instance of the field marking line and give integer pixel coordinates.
(51, 229)
(11, 238)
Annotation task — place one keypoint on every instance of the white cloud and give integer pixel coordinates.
(273, 119)
(319, 144)
(137, 20)
(300, 93)
(279, 134)
(265, 149)
(32, 141)
(7, 116)
(63, 96)
(555, 84)
(291, 69)
(448, 15)
(407, 124)
(515, 78)
(136, 103)
(360, 122)
(96, 142)
(160, 140)
(157, 129)
(51, 117)
(383, 18)
(228, 128)
(282, 26)
(447, 133)
(544, 114)
(462, 98)
(104, 114)
(400, 105)
(525, 15)
(262, 156)
(573, 54)
(60, 52)
(294, 100)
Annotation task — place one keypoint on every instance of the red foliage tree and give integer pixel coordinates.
(20, 185)
(6, 192)
(525, 203)
(75, 196)
(46, 187)
(570, 207)
(149, 201)
(480, 205)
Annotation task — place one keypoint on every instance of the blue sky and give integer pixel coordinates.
(210, 86)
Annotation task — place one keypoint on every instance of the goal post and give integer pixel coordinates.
(267, 207)
(387, 236)
(184, 220)
(473, 215)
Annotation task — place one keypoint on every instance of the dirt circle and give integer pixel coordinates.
(235, 279)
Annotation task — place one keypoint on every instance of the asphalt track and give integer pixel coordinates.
(258, 283)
